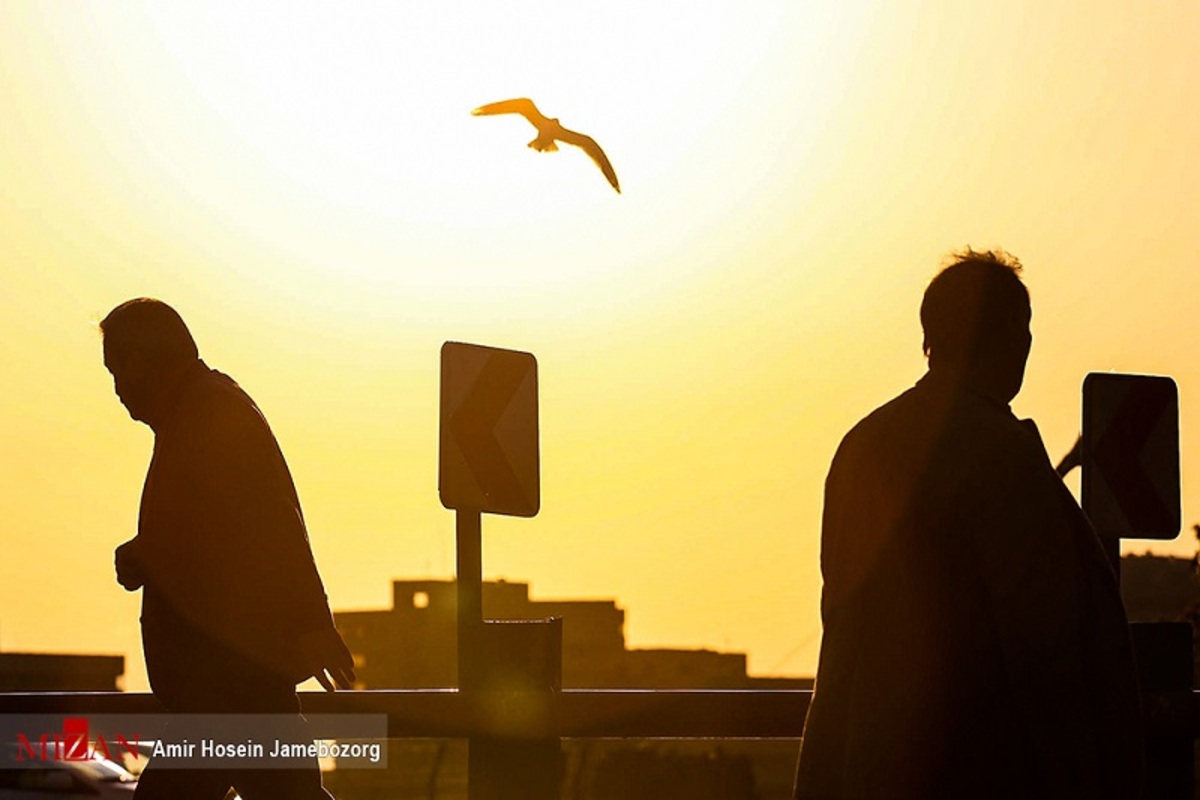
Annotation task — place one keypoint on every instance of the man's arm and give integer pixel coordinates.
(267, 536)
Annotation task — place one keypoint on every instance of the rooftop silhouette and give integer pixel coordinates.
(60, 672)
(413, 644)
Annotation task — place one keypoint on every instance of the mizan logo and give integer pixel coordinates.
(73, 743)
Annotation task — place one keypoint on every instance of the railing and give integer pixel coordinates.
(574, 713)
(448, 713)
(585, 714)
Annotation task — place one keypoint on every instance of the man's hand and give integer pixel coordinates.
(1071, 460)
(323, 651)
(129, 566)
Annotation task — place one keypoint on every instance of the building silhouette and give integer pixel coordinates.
(413, 644)
(52, 672)
(1158, 588)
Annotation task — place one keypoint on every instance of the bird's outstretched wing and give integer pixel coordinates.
(589, 146)
(549, 130)
(520, 105)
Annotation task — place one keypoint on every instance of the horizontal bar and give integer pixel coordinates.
(448, 713)
(576, 713)
(731, 714)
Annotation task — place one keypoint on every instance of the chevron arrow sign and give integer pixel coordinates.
(1131, 486)
(488, 454)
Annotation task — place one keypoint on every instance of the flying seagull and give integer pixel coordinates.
(549, 130)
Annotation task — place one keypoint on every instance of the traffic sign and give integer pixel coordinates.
(488, 458)
(1131, 455)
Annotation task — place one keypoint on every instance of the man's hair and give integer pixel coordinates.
(150, 328)
(972, 304)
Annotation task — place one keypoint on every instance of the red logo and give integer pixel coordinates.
(73, 743)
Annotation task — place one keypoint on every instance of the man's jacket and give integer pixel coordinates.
(974, 643)
(230, 577)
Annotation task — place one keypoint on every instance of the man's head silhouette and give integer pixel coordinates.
(976, 317)
(147, 347)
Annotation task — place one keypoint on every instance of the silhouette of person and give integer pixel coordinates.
(234, 613)
(975, 644)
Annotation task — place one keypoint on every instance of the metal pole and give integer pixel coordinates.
(468, 527)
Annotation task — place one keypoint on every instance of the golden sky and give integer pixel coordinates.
(307, 186)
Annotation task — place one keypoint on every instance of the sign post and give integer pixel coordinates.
(468, 534)
(488, 463)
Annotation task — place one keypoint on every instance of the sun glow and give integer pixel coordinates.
(345, 132)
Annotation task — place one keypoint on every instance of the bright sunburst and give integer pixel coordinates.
(349, 129)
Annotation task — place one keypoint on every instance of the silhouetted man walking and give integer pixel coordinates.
(975, 645)
(234, 614)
